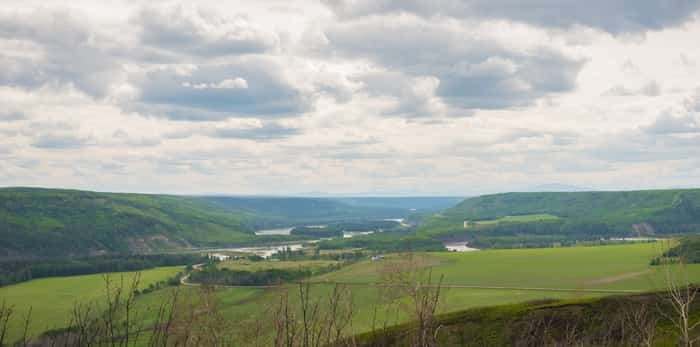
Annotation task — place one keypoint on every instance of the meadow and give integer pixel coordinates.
(247, 265)
(469, 280)
(52, 299)
(570, 273)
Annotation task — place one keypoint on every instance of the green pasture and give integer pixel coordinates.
(52, 299)
(561, 273)
(247, 265)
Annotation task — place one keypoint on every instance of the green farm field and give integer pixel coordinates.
(52, 299)
(498, 277)
(246, 265)
(473, 279)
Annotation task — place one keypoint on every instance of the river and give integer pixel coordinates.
(280, 231)
(263, 251)
(459, 247)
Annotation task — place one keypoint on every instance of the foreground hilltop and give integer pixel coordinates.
(537, 218)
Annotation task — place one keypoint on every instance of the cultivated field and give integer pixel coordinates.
(473, 279)
(52, 299)
(247, 265)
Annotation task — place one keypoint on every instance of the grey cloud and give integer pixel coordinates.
(11, 115)
(651, 88)
(177, 166)
(473, 73)
(614, 16)
(524, 142)
(672, 136)
(265, 132)
(350, 154)
(120, 137)
(669, 124)
(113, 167)
(685, 121)
(692, 104)
(68, 51)
(268, 131)
(686, 61)
(59, 141)
(170, 93)
(28, 163)
(558, 138)
(197, 31)
(179, 134)
(643, 147)
(415, 96)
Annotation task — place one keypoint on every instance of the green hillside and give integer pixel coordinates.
(580, 215)
(37, 222)
(49, 222)
(634, 320)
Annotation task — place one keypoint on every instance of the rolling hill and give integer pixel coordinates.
(37, 222)
(49, 222)
(580, 215)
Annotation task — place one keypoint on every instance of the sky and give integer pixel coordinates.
(370, 97)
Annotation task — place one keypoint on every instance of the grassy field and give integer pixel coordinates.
(247, 265)
(51, 299)
(568, 267)
(560, 273)
(572, 270)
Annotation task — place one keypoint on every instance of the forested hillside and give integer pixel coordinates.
(557, 217)
(48, 222)
(38, 222)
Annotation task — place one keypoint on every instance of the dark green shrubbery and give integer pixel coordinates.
(19, 271)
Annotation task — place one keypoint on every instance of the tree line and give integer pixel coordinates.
(12, 272)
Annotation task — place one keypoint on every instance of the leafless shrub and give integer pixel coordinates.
(641, 322)
(679, 294)
(315, 321)
(119, 327)
(5, 315)
(409, 276)
(339, 316)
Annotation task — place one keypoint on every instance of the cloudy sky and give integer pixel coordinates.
(413, 97)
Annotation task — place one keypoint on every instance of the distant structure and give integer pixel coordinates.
(466, 224)
(377, 257)
(219, 256)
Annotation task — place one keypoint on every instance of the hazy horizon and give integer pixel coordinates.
(542, 188)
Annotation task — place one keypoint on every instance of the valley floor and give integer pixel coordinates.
(467, 280)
